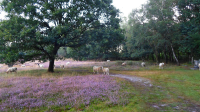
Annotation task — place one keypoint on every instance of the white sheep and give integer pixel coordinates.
(62, 66)
(123, 64)
(23, 65)
(106, 71)
(97, 69)
(161, 65)
(108, 60)
(12, 69)
(41, 65)
(143, 64)
(67, 63)
(199, 66)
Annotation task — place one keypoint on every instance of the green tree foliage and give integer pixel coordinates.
(161, 13)
(103, 43)
(189, 21)
(36, 29)
(137, 45)
(153, 29)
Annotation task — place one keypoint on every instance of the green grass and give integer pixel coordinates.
(182, 82)
(173, 86)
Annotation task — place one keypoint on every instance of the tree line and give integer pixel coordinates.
(163, 30)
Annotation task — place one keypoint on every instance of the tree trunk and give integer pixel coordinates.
(159, 57)
(170, 57)
(175, 56)
(51, 65)
(165, 54)
(156, 54)
(152, 56)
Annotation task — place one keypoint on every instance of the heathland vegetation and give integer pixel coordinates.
(48, 30)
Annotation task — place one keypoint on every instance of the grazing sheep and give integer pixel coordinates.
(161, 65)
(12, 69)
(23, 65)
(143, 64)
(97, 69)
(108, 60)
(41, 65)
(59, 66)
(106, 71)
(62, 66)
(123, 64)
(67, 63)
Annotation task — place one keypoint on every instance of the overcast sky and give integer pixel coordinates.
(125, 6)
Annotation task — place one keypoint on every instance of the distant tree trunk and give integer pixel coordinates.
(159, 57)
(170, 58)
(192, 60)
(189, 58)
(156, 54)
(11, 64)
(178, 55)
(51, 65)
(152, 56)
(165, 54)
(175, 55)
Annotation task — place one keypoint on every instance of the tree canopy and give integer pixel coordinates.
(36, 29)
(167, 29)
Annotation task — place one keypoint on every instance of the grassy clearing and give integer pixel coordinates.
(175, 89)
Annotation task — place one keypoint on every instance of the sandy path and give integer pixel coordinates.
(143, 81)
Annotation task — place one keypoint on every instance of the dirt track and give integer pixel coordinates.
(143, 81)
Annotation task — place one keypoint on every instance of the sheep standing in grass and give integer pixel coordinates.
(161, 65)
(97, 69)
(12, 69)
(41, 65)
(23, 65)
(124, 64)
(108, 60)
(106, 71)
(67, 63)
(143, 64)
(62, 66)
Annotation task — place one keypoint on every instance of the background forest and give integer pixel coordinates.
(163, 30)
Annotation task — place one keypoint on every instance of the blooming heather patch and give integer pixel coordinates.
(32, 92)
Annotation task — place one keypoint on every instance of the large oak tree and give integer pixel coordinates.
(36, 29)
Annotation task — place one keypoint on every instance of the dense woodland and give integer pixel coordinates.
(162, 30)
